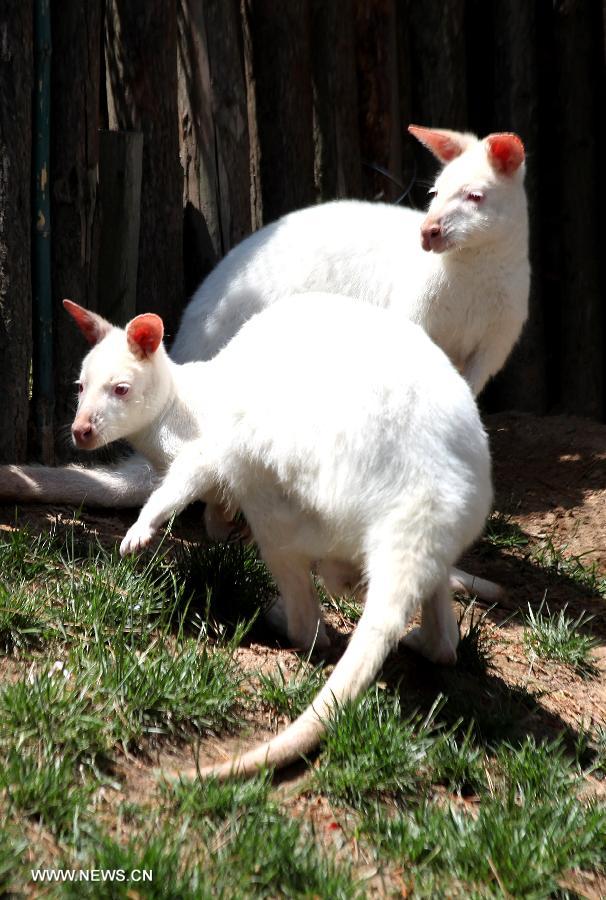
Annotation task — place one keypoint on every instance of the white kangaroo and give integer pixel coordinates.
(469, 291)
(371, 453)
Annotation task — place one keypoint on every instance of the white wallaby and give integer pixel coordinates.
(370, 454)
(460, 271)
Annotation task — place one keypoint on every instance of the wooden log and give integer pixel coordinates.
(141, 79)
(76, 28)
(16, 82)
(120, 162)
(281, 69)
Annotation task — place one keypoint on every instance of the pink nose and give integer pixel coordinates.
(82, 433)
(431, 235)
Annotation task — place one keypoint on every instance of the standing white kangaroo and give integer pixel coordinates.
(371, 454)
(460, 271)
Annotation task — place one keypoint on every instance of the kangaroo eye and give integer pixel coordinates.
(121, 390)
(475, 196)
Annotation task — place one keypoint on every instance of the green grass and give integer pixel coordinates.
(111, 662)
(503, 533)
(527, 831)
(573, 567)
(289, 695)
(226, 583)
(558, 637)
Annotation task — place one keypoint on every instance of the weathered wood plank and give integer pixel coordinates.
(141, 66)
(76, 33)
(338, 170)
(281, 63)
(16, 81)
(522, 384)
(119, 200)
(215, 147)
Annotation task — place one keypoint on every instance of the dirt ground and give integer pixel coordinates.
(550, 481)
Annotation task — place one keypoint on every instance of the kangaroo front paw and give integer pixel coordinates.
(440, 650)
(137, 537)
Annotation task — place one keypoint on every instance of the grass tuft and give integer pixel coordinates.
(528, 830)
(227, 583)
(43, 787)
(503, 533)
(557, 637)
(289, 695)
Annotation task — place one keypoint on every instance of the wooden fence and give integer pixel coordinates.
(246, 109)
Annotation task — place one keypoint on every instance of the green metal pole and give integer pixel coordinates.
(43, 393)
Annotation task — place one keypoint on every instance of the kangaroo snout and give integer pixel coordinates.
(432, 236)
(83, 433)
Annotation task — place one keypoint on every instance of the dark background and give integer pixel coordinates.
(251, 108)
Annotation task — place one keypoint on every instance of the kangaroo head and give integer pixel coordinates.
(124, 380)
(478, 197)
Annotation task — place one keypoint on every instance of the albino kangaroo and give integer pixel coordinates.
(461, 272)
(373, 456)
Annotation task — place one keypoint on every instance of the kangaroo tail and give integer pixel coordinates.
(388, 608)
(480, 587)
(127, 484)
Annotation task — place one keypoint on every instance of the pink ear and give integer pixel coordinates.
(144, 334)
(93, 327)
(505, 152)
(445, 145)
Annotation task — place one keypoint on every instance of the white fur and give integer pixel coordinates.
(345, 435)
(471, 299)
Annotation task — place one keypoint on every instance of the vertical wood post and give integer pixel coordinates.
(215, 147)
(16, 82)
(141, 66)
(337, 145)
(119, 199)
(522, 384)
(281, 56)
(74, 162)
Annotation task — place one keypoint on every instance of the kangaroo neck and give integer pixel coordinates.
(175, 424)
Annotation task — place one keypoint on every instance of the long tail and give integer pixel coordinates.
(378, 632)
(127, 484)
(480, 587)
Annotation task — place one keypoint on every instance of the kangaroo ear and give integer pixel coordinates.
(93, 327)
(144, 334)
(445, 145)
(505, 152)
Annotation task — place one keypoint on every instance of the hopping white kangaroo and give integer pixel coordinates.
(343, 433)
(461, 272)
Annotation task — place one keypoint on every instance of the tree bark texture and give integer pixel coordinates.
(16, 79)
(141, 67)
(76, 34)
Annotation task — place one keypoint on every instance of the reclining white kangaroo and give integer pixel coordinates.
(470, 293)
(372, 454)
